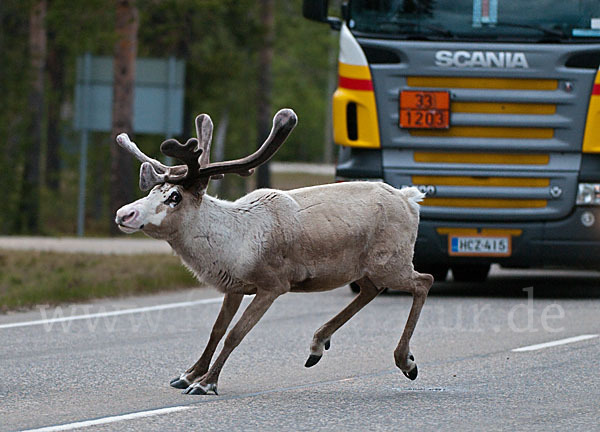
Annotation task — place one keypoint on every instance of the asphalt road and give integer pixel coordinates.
(110, 245)
(110, 371)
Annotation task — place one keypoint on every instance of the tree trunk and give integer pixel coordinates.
(265, 85)
(30, 196)
(121, 172)
(55, 67)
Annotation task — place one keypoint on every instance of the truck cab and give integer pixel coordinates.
(491, 110)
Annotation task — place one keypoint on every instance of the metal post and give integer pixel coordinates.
(87, 71)
(171, 72)
(82, 181)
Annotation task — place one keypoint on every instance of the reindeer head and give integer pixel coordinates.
(175, 188)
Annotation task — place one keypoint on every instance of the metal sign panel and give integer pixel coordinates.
(158, 95)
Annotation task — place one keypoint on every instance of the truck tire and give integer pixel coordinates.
(438, 271)
(470, 273)
(356, 289)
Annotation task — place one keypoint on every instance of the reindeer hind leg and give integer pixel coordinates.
(322, 337)
(418, 286)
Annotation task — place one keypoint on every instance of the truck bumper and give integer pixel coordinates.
(564, 243)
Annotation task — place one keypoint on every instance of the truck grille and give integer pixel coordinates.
(513, 148)
(521, 187)
(499, 155)
(511, 119)
(484, 191)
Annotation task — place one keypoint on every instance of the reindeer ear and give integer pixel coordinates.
(149, 177)
(204, 131)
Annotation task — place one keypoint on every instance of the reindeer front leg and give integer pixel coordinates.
(231, 304)
(253, 313)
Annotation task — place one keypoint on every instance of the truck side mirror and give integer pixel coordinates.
(316, 10)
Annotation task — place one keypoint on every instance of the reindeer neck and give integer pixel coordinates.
(208, 239)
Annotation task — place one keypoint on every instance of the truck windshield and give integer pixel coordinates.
(499, 20)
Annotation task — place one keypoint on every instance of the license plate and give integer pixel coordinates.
(424, 109)
(479, 245)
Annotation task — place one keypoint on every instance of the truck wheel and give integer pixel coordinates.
(438, 271)
(356, 289)
(470, 273)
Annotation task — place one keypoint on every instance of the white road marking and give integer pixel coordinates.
(112, 419)
(112, 313)
(555, 343)
(178, 408)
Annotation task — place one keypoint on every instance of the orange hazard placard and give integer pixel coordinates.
(424, 109)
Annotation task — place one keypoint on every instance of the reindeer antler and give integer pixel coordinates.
(283, 123)
(152, 172)
(195, 154)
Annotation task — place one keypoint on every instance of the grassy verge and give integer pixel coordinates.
(31, 278)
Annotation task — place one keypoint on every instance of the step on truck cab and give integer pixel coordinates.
(490, 107)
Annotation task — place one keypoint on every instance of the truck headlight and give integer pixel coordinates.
(588, 194)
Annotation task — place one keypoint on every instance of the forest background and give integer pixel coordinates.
(244, 59)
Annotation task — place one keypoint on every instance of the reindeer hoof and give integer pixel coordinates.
(179, 383)
(327, 344)
(412, 374)
(312, 360)
(199, 389)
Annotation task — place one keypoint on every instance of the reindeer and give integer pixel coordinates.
(271, 242)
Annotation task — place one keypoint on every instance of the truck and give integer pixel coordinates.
(492, 109)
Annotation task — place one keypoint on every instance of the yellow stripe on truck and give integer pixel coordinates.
(353, 71)
(355, 86)
(591, 136)
(481, 181)
(487, 132)
(502, 108)
(481, 158)
(484, 231)
(483, 83)
(484, 203)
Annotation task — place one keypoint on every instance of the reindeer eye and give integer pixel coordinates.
(173, 200)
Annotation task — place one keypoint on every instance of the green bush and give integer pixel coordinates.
(31, 278)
